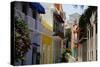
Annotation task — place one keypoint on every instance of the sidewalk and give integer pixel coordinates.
(70, 58)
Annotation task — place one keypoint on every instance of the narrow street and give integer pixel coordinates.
(48, 33)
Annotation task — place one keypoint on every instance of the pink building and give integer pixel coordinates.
(75, 41)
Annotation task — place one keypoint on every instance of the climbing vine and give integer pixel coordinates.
(22, 41)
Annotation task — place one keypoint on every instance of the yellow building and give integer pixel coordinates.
(46, 43)
(46, 49)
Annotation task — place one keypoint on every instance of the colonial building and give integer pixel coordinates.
(58, 29)
(88, 42)
(74, 20)
(75, 41)
(31, 16)
(92, 39)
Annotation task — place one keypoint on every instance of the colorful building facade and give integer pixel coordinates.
(58, 29)
(75, 41)
(31, 16)
(46, 36)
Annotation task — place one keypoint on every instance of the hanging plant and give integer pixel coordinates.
(22, 41)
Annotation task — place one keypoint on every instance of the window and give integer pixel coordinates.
(36, 24)
(34, 14)
(88, 34)
(91, 32)
(96, 55)
(24, 8)
(34, 52)
(92, 55)
(75, 38)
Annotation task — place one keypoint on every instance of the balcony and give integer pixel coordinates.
(59, 33)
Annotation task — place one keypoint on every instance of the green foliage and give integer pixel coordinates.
(83, 26)
(22, 41)
(68, 34)
(68, 38)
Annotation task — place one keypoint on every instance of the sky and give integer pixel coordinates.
(69, 9)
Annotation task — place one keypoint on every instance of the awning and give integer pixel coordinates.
(38, 7)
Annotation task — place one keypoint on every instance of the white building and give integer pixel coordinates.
(74, 17)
